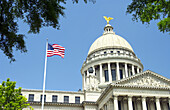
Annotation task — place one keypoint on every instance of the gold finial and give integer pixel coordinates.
(107, 19)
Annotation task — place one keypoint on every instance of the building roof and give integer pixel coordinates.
(109, 40)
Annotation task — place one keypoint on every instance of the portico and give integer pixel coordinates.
(136, 103)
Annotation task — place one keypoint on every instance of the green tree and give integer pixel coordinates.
(10, 97)
(148, 10)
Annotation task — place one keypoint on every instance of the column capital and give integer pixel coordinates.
(130, 96)
(125, 98)
(143, 98)
(115, 94)
(138, 99)
(115, 97)
(157, 97)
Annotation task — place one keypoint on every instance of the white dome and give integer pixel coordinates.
(109, 41)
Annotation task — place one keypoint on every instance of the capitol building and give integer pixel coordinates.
(112, 79)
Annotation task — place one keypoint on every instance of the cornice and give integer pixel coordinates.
(110, 47)
(143, 87)
(89, 103)
(141, 74)
(56, 103)
(52, 91)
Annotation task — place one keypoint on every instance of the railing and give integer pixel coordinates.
(109, 55)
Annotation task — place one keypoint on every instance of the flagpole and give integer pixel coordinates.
(44, 76)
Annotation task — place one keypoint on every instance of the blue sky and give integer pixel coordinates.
(82, 24)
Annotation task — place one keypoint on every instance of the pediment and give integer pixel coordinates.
(147, 78)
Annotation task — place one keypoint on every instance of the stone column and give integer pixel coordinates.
(101, 74)
(151, 103)
(130, 103)
(169, 102)
(108, 105)
(144, 103)
(115, 102)
(139, 104)
(158, 106)
(117, 71)
(109, 71)
(88, 73)
(87, 78)
(94, 70)
(126, 70)
(125, 103)
(137, 69)
(84, 81)
(133, 70)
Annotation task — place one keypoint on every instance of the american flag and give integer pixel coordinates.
(55, 49)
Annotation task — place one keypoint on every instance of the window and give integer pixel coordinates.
(155, 106)
(167, 105)
(131, 73)
(119, 105)
(121, 74)
(133, 104)
(105, 107)
(54, 98)
(77, 100)
(113, 74)
(105, 53)
(118, 52)
(31, 98)
(66, 99)
(111, 51)
(44, 98)
(147, 105)
(106, 75)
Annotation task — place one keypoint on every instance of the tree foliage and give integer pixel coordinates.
(11, 98)
(36, 13)
(148, 10)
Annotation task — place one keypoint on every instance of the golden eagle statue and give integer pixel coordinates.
(107, 19)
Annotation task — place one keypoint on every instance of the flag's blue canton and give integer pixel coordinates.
(50, 47)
